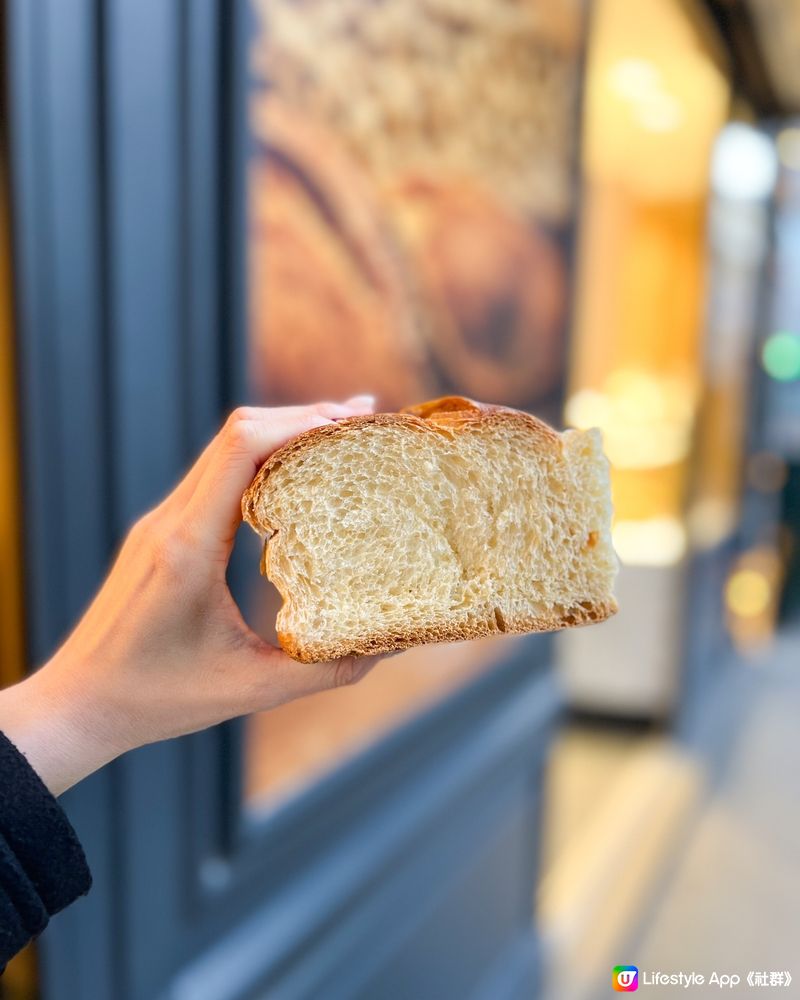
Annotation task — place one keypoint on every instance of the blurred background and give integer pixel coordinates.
(590, 210)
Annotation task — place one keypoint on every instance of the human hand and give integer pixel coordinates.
(163, 649)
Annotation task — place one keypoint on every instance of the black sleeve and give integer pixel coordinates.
(42, 865)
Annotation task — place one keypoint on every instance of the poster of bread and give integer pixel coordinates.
(411, 196)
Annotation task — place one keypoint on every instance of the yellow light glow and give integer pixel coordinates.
(631, 77)
(748, 593)
(646, 419)
(641, 83)
(654, 100)
(657, 541)
(659, 113)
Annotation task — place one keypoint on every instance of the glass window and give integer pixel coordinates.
(409, 209)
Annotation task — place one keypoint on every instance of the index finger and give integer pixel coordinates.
(182, 493)
(249, 437)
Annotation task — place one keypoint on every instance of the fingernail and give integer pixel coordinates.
(365, 400)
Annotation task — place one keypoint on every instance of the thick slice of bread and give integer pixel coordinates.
(449, 520)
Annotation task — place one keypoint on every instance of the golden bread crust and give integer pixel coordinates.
(387, 642)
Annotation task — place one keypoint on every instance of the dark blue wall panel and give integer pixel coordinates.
(53, 89)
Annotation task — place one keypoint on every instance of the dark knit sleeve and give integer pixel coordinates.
(42, 865)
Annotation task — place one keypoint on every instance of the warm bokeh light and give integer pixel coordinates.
(648, 78)
(747, 593)
(646, 419)
(642, 84)
(711, 519)
(752, 593)
(656, 99)
(657, 541)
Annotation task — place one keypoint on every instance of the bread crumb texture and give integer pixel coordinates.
(451, 521)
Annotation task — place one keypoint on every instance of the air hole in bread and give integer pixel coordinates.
(393, 535)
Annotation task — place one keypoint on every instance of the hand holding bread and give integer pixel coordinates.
(447, 521)
(163, 649)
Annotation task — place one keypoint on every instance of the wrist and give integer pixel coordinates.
(58, 726)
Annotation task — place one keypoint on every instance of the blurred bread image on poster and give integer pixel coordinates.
(326, 271)
(408, 228)
(494, 288)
